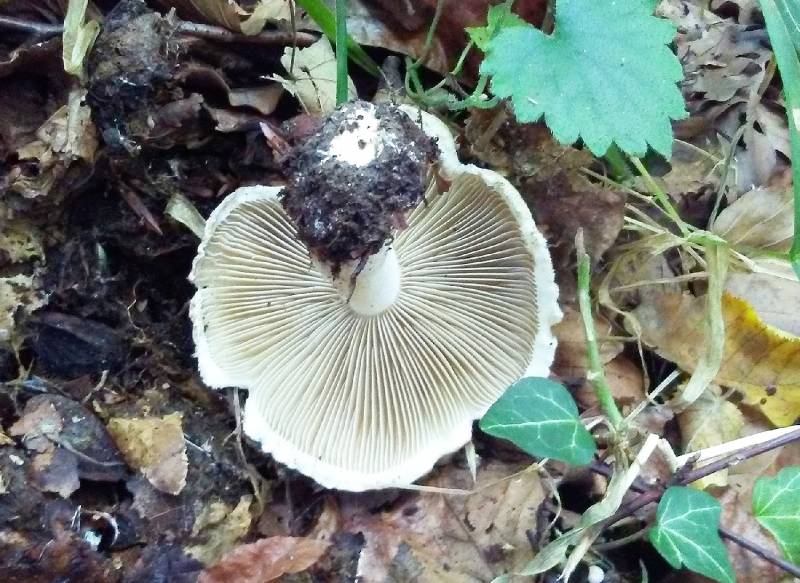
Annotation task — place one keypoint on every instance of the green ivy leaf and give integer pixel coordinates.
(605, 75)
(499, 18)
(776, 505)
(540, 417)
(686, 533)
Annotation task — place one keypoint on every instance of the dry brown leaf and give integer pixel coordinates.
(772, 291)
(761, 218)
(760, 361)
(41, 421)
(265, 560)
(625, 379)
(222, 527)
(55, 471)
(230, 14)
(452, 537)
(156, 447)
(570, 361)
(710, 420)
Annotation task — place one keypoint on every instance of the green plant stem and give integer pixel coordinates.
(596, 373)
(660, 195)
(326, 21)
(341, 52)
(789, 66)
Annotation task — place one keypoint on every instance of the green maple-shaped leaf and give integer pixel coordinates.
(499, 18)
(776, 505)
(686, 533)
(605, 75)
(540, 417)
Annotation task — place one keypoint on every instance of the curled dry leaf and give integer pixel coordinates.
(759, 360)
(156, 447)
(265, 560)
(232, 15)
(710, 420)
(312, 77)
(221, 526)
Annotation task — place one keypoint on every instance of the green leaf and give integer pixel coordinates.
(776, 505)
(540, 417)
(499, 18)
(605, 75)
(686, 533)
(790, 11)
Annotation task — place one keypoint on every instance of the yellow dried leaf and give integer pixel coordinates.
(222, 527)
(760, 218)
(760, 361)
(156, 447)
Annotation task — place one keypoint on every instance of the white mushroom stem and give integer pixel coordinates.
(377, 284)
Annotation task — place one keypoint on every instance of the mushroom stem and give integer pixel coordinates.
(377, 281)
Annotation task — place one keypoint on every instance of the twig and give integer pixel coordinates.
(765, 554)
(207, 31)
(41, 29)
(265, 37)
(649, 495)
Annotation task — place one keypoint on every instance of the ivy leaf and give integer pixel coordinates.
(499, 18)
(540, 417)
(686, 533)
(776, 505)
(605, 75)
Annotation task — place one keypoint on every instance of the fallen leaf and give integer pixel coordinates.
(760, 218)
(772, 291)
(55, 471)
(312, 77)
(465, 538)
(156, 447)
(265, 560)
(626, 380)
(221, 526)
(230, 14)
(758, 360)
(40, 424)
(571, 360)
(710, 420)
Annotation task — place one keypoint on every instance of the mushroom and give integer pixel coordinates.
(364, 370)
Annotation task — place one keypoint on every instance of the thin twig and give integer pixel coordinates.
(41, 29)
(207, 31)
(265, 37)
(603, 469)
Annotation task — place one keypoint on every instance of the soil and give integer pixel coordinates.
(344, 211)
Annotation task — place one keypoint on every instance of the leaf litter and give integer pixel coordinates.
(115, 453)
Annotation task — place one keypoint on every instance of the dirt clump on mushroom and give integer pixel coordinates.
(351, 184)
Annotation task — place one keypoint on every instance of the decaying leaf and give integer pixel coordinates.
(312, 77)
(55, 471)
(772, 291)
(232, 15)
(472, 538)
(710, 420)
(265, 560)
(759, 360)
(155, 446)
(761, 218)
(221, 526)
(571, 359)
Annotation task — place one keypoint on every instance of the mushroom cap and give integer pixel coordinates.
(362, 402)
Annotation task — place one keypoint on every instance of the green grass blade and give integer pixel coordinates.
(786, 55)
(341, 52)
(326, 20)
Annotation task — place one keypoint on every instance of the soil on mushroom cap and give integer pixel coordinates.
(344, 211)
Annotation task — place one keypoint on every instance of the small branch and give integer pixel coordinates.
(265, 37)
(765, 554)
(648, 495)
(207, 31)
(40, 29)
